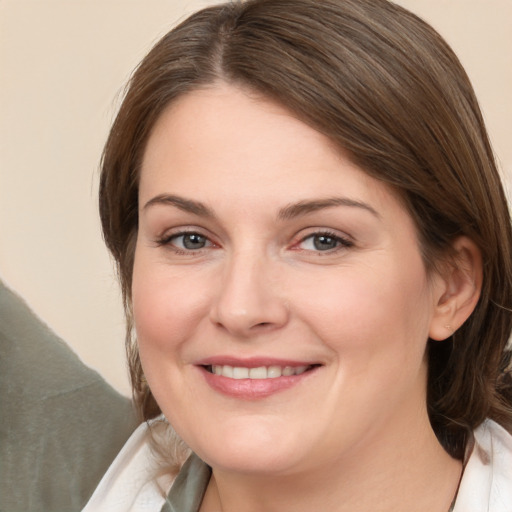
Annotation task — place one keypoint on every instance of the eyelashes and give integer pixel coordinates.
(193, 242)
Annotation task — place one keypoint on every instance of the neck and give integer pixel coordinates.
(402, 472)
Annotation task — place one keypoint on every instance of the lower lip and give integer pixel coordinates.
(253, 389)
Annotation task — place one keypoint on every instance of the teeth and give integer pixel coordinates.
(258, 373)
(262, 372)
(287, 371)
(273, 372)
(240, 373)
(227, 371)
(300, 369)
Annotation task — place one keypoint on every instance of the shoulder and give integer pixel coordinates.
(487, 479)
(35, 363)
(134, 481)
(61, 423)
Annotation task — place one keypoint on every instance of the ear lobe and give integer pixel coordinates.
(458, 290)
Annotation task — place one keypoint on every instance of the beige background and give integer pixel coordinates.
(62, 66)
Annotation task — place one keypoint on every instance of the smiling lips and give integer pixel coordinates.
(254, 381)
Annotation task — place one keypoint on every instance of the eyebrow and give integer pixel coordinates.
(304, 207)
(187, 205)
(290, 211)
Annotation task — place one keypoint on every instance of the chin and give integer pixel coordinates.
(256, 451)
(255, 462)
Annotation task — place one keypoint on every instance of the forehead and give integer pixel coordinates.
(224, 120)
(230, 140)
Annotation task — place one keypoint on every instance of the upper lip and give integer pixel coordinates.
(252, 362)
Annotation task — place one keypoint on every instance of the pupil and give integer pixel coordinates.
(193, 241)
(324, 242)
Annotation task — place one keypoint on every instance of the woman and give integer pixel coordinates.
(315, 254)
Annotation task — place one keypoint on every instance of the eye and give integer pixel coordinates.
(323, 242)
(189, 241)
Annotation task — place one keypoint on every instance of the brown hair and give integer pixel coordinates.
(384, 86)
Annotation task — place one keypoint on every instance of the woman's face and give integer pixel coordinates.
(281, 304)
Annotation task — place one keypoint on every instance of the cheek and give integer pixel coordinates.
(371, 310)
(167, 305)
(168, 309)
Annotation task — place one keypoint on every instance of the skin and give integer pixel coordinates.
(353, 434)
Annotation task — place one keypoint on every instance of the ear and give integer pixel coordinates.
(457, 289)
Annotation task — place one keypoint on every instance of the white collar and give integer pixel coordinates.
(486, 485)
(132, 482)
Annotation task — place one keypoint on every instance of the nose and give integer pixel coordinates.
(250, 299)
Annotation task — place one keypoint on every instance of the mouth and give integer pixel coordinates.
(258, 373)
(256, 379)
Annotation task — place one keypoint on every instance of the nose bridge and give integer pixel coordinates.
(249, 297)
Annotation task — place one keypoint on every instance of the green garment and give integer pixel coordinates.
(188, 489)
(61, 424)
